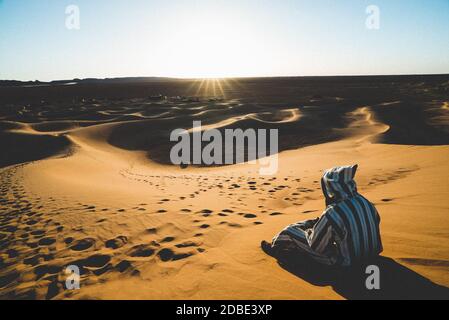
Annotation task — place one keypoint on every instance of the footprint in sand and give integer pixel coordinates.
(123, 265)
(276, 214)
(142, 250)
(45, 269)
(12, 253)
(46, 241)
(249, 216)
(37, 259)
(426, 262)
(234, 225)
(186, 244)
(168, 239)
(83, 244)
(32, 245)
(169, 255)
(152, 230)
(25, 236)
(116, 243)
(96, 261)
(10, 229)
(97, 264)
(38, 233)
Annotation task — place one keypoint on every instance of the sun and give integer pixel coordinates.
(210, 45)
(212, 87)
(209, 49)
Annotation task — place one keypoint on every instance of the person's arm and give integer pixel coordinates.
(322, 235)
(307, 224)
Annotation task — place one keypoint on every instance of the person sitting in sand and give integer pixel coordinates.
(345, 234)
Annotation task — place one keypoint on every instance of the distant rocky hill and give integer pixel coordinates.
(16, 83)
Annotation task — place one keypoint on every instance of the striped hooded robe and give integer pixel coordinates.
(348, 230)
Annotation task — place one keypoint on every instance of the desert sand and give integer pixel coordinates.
(85, 180)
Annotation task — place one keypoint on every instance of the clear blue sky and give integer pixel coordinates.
(215, 38)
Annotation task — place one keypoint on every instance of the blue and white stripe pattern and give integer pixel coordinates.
(347, 232)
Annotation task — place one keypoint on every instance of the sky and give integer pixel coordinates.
(221, 38)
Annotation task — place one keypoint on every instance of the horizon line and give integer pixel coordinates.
(232, 77)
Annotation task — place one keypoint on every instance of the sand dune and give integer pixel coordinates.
(89, 183)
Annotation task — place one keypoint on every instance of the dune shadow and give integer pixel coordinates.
(397, 282)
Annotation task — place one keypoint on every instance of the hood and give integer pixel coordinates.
(338, 183)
